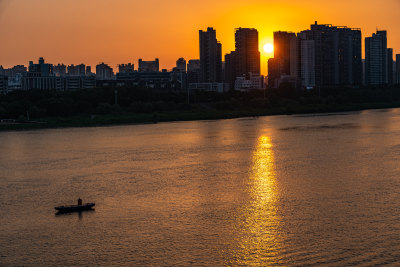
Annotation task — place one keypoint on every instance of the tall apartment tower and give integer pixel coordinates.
(247, 53)
(337, 54)
(390, 65)
(282, 41)
(376, 59)
(398, 68)
(210, 57)
(245, 60)
(230, 68)
(280, 64)
(302, 60)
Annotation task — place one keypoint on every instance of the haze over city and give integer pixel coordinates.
(120, 31)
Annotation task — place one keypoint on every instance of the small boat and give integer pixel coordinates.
(74, 208)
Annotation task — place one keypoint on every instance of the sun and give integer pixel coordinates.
(268, 48)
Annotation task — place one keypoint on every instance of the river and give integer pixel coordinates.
(313, 190)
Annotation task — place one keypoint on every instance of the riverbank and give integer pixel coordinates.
(90, 120)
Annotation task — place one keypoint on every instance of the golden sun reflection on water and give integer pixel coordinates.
(258, 232)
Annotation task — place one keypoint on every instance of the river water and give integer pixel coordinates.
(280, 190)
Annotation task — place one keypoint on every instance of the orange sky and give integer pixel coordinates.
(121, 31)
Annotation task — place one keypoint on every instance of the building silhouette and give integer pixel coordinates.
(282, 41)
(247, 53)
(126, 68)
(390, 66)
(193, 65)
(376, 59)
(302, 60)
(60, 70)
(245, 60)
(76, 70)
(3, 84)
(40, 76)
(337, 54)
(104, 72)
(193, 71)
(398, 68)
(181, 65)
(230, 72)
(279, 65)
(149, 66)
(323, 56)
(210, 57)
(15, 77)
(89, 71)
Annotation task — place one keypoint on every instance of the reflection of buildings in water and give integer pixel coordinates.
(258, 229)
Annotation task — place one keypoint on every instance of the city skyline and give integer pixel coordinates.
(74, 33)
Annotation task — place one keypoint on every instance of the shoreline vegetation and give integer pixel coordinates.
(29, 110)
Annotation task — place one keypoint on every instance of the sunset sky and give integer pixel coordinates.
(121, 31)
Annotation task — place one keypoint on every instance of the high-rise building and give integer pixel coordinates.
(245, 60)
(337, 54)
(390, 65)
(398, 68)
(376, 65)
(281, 64)
(181, 65)
(210, 56)
(302, 60)
(282, 42)
(149, 66)
(246, 52)
(230, 68)
(324, 56)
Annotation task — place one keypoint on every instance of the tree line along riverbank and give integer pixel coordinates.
(111, 106)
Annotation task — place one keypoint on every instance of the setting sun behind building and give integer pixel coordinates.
(268, 48)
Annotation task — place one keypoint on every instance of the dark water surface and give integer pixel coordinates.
(282, 190)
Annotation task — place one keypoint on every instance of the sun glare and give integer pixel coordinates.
(268, 48)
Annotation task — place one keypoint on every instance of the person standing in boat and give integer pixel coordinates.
(79, 202)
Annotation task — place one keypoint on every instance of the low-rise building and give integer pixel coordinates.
(104, 72)
(193, 71)
(149, 66)
(60, 70)
(39, 77)
(3, 84)
(181, 65)
(76, 70)
(210, 87)
(125, 68)
(15, 83)
(162, 79)
(254, 82)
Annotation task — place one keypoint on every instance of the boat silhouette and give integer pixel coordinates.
(74, 208)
